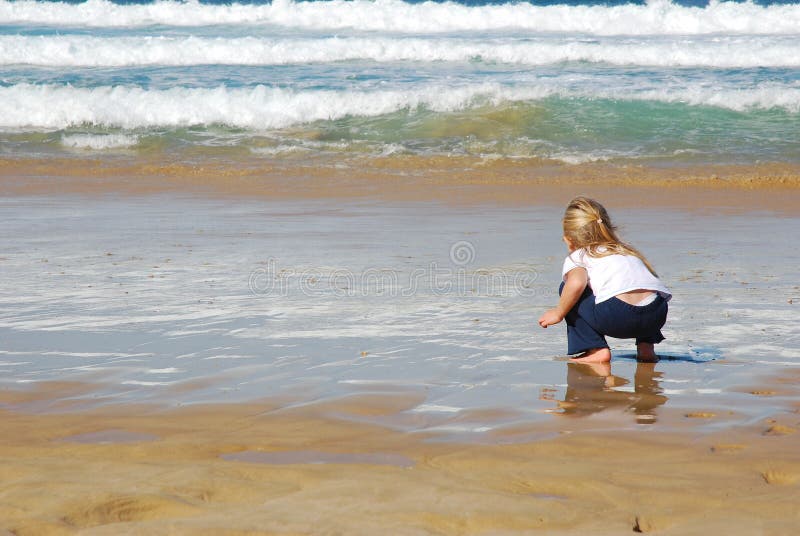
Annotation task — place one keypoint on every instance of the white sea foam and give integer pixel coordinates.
(99, 141)
(280, 150)
(582, 158)
(655, 17)
(261, 107)
(423, 408)
(765, 96)
(52, 106)
(82, 50)
(146, 384)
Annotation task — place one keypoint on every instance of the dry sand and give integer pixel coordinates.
(208, 469)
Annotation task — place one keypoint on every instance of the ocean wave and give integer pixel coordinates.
(656, 17)
(261, 107)
(89, 51)
(99, 141)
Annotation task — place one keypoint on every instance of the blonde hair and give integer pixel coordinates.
(587, 225)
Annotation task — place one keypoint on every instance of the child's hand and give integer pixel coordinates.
(553, 316)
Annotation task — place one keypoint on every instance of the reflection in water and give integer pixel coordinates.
(591, 388)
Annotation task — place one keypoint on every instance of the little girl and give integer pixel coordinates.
(609, 288)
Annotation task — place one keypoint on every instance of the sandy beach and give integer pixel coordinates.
(150, 388)
(274, 267)
(259, 469)
(451, 179)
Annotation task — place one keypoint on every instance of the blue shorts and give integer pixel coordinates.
(588, 323)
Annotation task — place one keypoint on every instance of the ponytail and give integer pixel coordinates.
(588, 225)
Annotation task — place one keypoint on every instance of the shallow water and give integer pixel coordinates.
(180, 300)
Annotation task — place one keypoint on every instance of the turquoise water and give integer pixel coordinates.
(655, 82)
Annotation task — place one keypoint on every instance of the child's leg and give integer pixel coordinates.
(582, 333)
(653, 321)
(646, 352)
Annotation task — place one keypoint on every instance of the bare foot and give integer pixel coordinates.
(602, 370)
(595, 355)
(646, 353)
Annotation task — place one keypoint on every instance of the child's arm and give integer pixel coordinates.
(574, 285)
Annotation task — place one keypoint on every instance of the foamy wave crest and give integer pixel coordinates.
(99, 141)
(262, 107)
(74, 50)
(656, 17)
(51, 106)
(763, 97)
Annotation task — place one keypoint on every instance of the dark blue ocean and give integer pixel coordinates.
(655, 82)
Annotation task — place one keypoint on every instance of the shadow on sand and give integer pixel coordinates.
(703, 356)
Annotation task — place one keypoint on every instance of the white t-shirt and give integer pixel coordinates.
(614, 274)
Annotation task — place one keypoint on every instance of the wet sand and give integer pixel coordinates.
(470, 180)
(263, 468)
(75, 461)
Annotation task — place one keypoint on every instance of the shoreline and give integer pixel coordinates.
(452, 180)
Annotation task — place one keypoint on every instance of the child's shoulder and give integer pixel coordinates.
(576, 258)
(589, 253)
